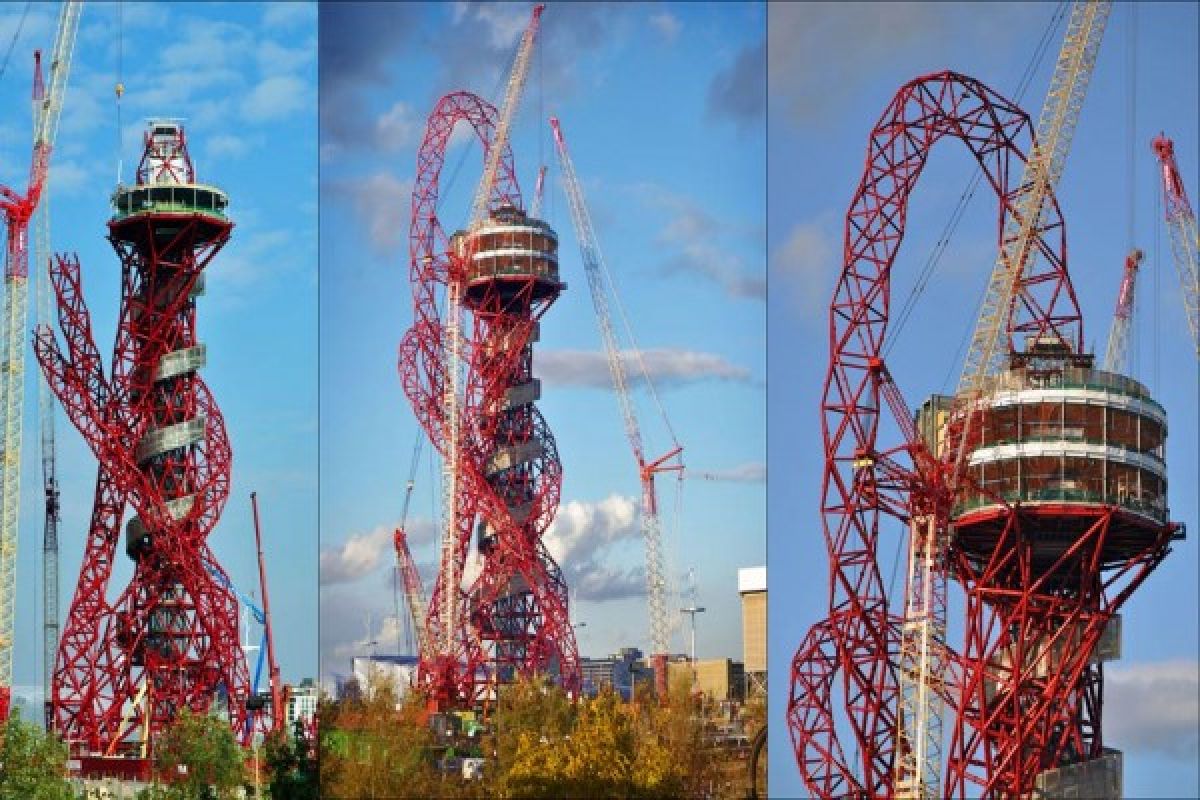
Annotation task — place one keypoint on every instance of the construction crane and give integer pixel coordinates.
(414, 592)
(672, 460)
(922, 641)
(1116, 354)
(453, 339)
(539, 189)
(278, 714)
(1185, 240)
(18, 210)
(68, 24)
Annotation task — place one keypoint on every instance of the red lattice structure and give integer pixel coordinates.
(1043, 570)
(169, 640)
(513, 618)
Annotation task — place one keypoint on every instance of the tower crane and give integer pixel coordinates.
(1185, 240)
(1116, 354)
(453, 337)
(672, 460)
(59, 68)
(922, 640)
(18, 210)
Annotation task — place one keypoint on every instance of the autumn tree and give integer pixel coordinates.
(374, 746)
(33, 763)
(199, 758)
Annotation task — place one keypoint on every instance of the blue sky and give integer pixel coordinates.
(832, 69)
(662, 108)
(243, 78)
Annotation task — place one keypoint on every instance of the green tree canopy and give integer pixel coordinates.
(33, 763)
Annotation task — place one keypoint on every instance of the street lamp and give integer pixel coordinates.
(692, 611)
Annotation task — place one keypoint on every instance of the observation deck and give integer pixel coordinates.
(509, 254)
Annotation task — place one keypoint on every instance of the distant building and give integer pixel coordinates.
(399, 671)
(718, 678)
(302, 703)
(752, 586)
(623, 670)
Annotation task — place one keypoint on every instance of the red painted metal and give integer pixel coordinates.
(843, 705)
(513, 619)
(278, 690)
(174, 628)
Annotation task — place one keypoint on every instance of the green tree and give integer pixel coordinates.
(293, 771)
(33, 763)
(199, 758)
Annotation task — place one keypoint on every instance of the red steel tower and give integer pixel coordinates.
(1055, 514)
(169, 640)
(513, 617)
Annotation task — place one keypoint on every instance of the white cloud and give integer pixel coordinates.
(666, 367)
(400, 128)
(804, 265)
(581, 539)
(278, 16)
(227, 145)
(1154, 708)
(382, 202)
(667, 24)
(504, 22)
(275, 97)
(363, 553)
(700, 241)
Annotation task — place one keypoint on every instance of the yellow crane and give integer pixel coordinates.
(19, 209)
(923, 661)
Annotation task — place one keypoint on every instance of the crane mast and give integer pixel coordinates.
(278, 713)
(1185, 240)
(414, 593)
(593, 263)
(922, 646)
(453, 341)
(1116, 354)
(64, 48)
(18, 211)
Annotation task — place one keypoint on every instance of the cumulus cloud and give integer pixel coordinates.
(739, 91)
(1154, 708)
(667, 367)
(581, 539)
(363, 553)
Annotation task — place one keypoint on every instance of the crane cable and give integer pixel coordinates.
(414, 464)
(1131, 160)
(119, 89)
(16, 35)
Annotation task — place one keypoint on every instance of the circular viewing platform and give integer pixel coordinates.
(1066, 446)
(511, 252)
(169, 198)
